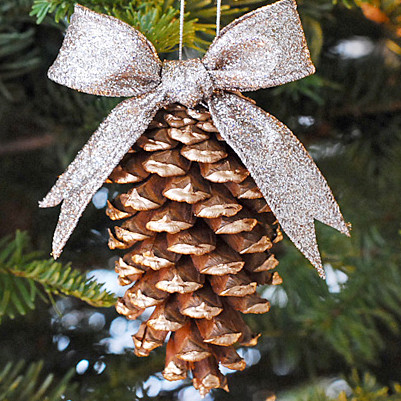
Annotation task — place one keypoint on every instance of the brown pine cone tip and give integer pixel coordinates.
(200, 236)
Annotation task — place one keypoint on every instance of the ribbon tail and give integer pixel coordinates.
(97, 159)
(290, 181)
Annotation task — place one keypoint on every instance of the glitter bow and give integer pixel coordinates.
(102, 55)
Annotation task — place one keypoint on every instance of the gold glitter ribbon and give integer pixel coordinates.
(104, 56)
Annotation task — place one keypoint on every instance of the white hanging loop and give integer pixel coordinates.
(218, 15)
(182, 11)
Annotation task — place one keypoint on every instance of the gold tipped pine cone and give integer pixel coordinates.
(199, 235)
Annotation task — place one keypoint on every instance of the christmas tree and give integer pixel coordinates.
(322, 339)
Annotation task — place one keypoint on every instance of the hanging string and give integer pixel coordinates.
(218, 15)
(182, 10)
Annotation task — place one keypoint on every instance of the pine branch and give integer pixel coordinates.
(24, 277)
(358, 389)
(367, 388)
(351, 323)
(17, 57)
(24, 383)
(158, 20)
(58, 279)
(14, 7)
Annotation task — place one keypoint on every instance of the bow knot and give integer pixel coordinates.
(186, 82)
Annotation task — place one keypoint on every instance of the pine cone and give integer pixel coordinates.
(200, 236)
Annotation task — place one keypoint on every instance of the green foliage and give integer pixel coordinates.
(366, 389)
(14, 7)
(19, 382)
(352, 105)
(160, 24)
(158, 20)
(352, 322)
(16, 56)
(311, 87)
(355, 320)
(24, 277)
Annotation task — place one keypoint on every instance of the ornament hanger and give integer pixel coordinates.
(182, 12)
(218, 14)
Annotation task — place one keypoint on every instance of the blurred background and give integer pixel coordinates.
(339, 338)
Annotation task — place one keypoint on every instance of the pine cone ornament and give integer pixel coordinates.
(199, 237)
(213, 179)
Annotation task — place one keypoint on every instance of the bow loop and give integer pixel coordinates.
(264, 48)
(102, 55)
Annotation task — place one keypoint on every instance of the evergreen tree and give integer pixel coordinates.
(334, 339)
